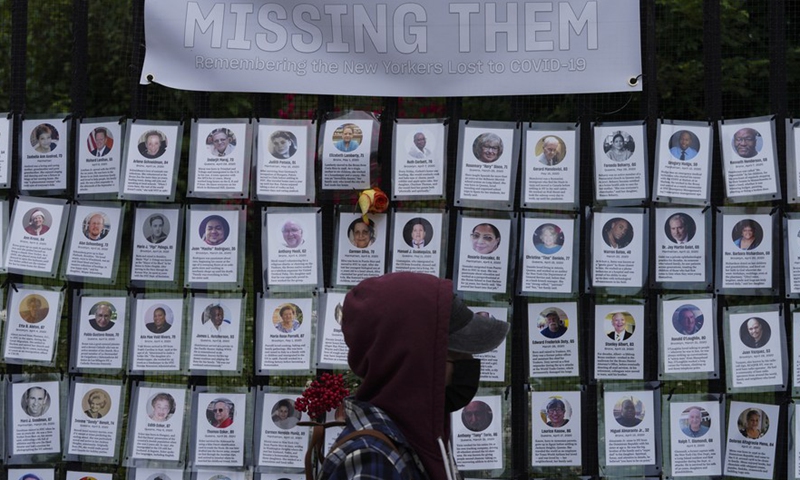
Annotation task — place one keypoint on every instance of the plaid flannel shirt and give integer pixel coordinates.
(368, 458)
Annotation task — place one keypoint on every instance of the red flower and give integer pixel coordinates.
(323, 395)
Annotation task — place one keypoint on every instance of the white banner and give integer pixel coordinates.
(425, 48)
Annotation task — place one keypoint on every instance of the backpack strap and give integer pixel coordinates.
(318, 441)
(366, 432)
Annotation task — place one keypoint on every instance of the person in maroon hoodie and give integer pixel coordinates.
(411, 342)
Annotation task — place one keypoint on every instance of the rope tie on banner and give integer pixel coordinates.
(627, 102)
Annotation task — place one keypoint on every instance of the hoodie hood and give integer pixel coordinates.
(396, 328)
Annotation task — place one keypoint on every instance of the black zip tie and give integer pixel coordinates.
(772, 212)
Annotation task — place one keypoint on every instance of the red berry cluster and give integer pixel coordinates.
(323, 395)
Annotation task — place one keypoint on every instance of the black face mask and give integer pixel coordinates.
(464, 384)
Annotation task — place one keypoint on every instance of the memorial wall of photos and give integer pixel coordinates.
(640, 235)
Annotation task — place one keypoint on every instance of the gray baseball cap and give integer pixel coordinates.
(473, 333)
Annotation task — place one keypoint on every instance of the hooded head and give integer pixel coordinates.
(397, 328)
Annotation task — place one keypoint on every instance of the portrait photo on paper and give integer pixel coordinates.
(158, 318)
(552, 323)
(550, 150)
(485, 238)
(100, 142)
(44, 138)
(556, 413)
(688, 319)
(696, 433)
(37, 475)
(747, 234)
(152, 144)
(618, 146)
(95, 226)
(220, 142)
(684, 145)
(622, 326)
(548, 238)
(747, 142)
(284, 415)
(618, 233)
(155, 474)
(96, 403)
(33, 308)
(418, 232)
(753, 423)
(103, 316)
(160, 407)
(215, 321)
(361, 234)
(755, 332)
(487, 147)
(477, 416)
(36, 401)
(680, 228)
(629, 411)
(292, 233)
(214, 230)
(37, 221)
(420, 144)
(220, 412)
(695, 422)
(347, 137)
(287, 318)
(282, 144)
(156, 228)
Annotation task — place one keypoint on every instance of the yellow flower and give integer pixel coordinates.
(372, 200)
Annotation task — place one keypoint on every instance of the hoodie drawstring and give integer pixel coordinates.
(450, 469)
